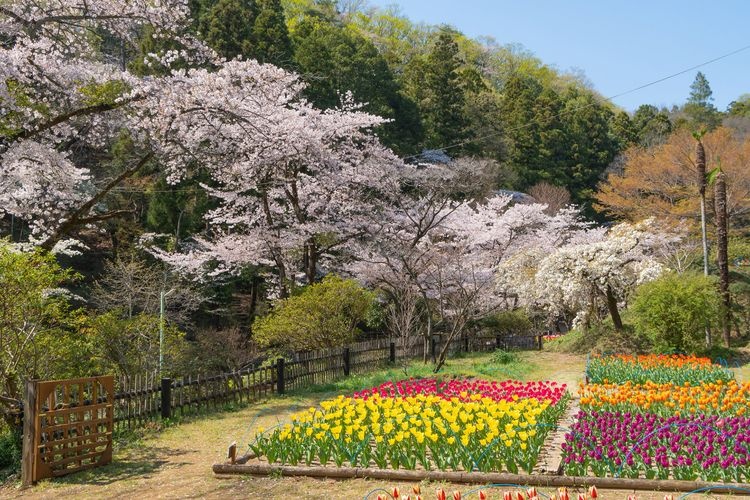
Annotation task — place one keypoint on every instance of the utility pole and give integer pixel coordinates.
(162, 299)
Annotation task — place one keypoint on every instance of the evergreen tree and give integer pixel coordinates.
(651, 125)
(334, 59)
(227, 26)
(443, 104)
(623, 130)
(253, 29)
(699, 108)
(700, 91)
(590, 145)
(527, 109)
(740, 106)
(272, 42)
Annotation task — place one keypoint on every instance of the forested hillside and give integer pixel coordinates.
(217, 158)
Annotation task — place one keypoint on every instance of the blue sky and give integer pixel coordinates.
(618, 44)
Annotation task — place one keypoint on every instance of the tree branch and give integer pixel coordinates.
(78, 217)
(89, 110)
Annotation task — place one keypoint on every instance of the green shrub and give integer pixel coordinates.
(10, 451)
(503, 357)
(508, 323)
(674, 310)
(39, 331)
(130, 345)
(325, 314)
(601, 337)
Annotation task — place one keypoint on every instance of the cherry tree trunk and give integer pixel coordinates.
(613, 311)
(311, 261)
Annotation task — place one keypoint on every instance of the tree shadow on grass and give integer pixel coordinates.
(141, 464)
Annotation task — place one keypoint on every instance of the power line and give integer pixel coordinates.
(649, 84)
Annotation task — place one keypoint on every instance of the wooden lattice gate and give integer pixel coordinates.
(67, 426)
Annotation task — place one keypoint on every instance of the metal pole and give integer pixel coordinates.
(161, 332)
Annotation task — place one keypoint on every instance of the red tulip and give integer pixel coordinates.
(482, 495)
(456, 495)
(396, 493)
(593, 493)
(440, 494)
(531, 492)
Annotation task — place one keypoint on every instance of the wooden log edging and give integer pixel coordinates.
(540, 480)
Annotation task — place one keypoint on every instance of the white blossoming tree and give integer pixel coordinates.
(597, 270)
(63, 101)
(446, 251)
(293, 183)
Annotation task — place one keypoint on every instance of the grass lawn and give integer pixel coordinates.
(176, 462)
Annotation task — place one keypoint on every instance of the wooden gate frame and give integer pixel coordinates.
(67, 426)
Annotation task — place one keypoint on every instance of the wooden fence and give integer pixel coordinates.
(140, 399)
(148, 397)
(70, 422)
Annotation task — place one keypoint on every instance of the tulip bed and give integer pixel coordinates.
(679, 417)
(658, 368)
(444, 425)
(713, 398)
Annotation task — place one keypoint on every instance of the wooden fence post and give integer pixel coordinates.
(539, 342)
(392, 355)
(347, 361)
(497, 341)
(433, 348)
(466, 344)
(166, 397)
(280, 376)
(29, 434)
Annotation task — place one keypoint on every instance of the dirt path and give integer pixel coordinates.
(176, 462)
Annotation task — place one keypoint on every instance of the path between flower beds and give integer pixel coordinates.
(550, 458)
(176, 463)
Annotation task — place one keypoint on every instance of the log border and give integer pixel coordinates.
(540, 480)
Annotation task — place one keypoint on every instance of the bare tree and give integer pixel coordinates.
(135, 286)
(225, 350)
(555, 197)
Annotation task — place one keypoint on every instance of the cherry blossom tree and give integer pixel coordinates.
(293, 183)
(447, 249)
(398, 256)
(596, 269)
(64, 99)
